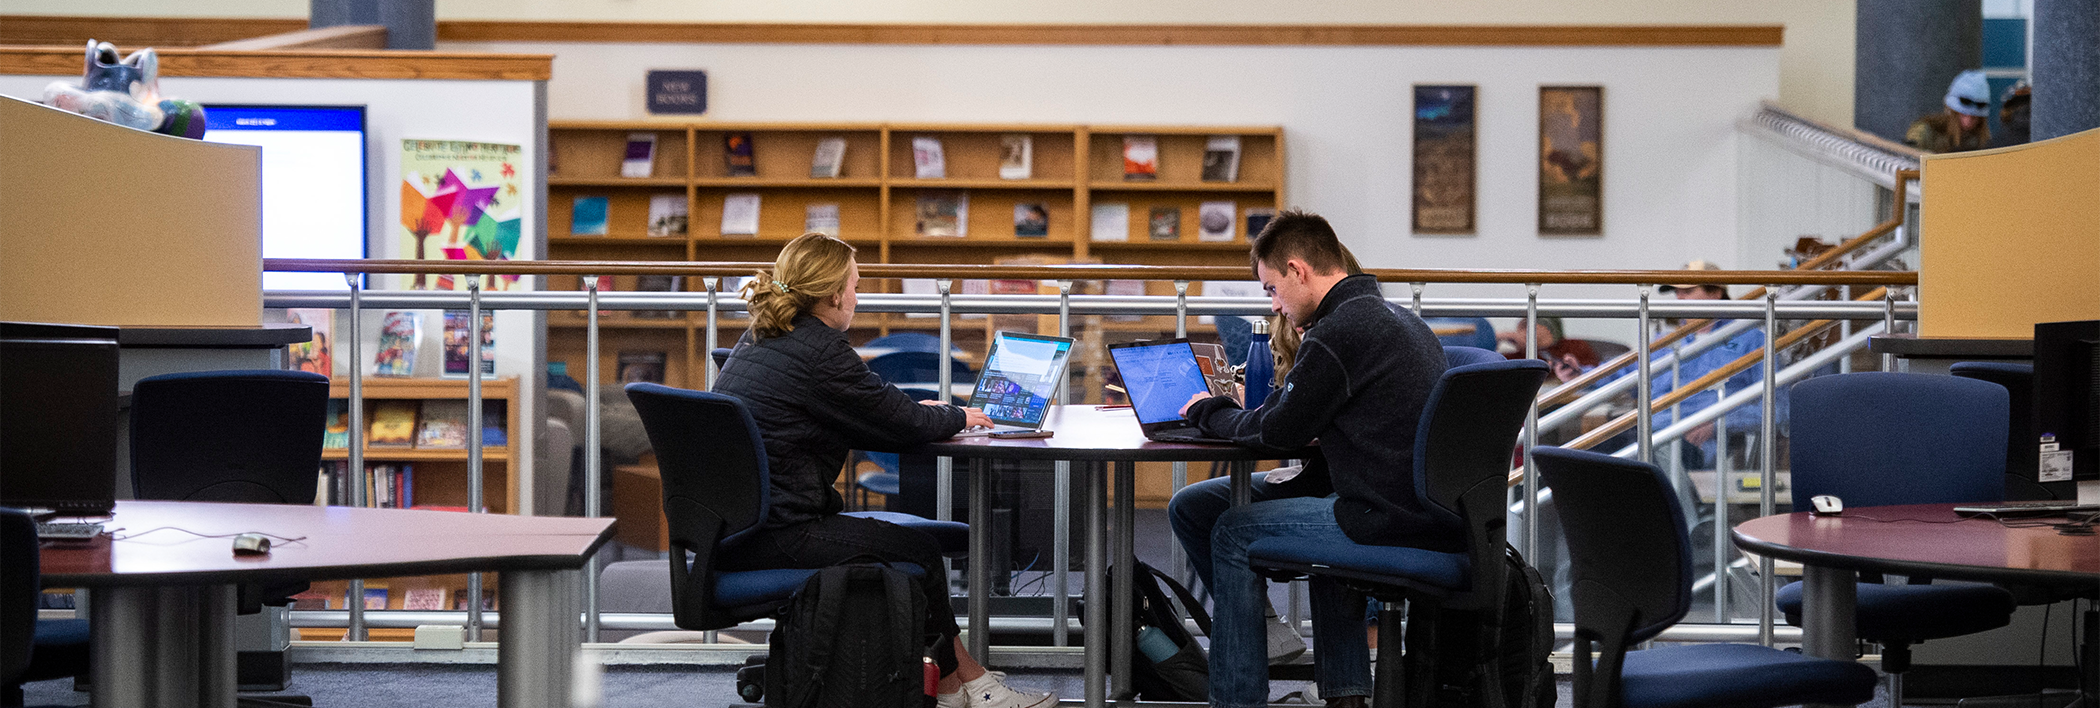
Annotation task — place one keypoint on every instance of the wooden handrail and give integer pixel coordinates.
(339, 37)
(1080, 272)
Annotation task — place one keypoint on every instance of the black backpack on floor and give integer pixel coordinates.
(854, 637)
(1518, 642)
(1185, 676)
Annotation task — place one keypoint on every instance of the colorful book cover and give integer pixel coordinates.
(1165, 223)
(1111, 221)
(928, 162)
(444, 424)
(1016, 156)
(459, 336)
(399, 335)
(943, 214)
(640, 160)
(740, 214)
(1258, 218)
(1140, 158)
(668, 215)
(375, 598)
(658, 284)
(315, 355)
(641, 367)
(393, 423)
(587, 216)
(829, 159)
(423, 599)
(736, 152)
(337, 434)
(1031, 220)
(1221, 159)
(1214, 221)
(821, 218)
(462, 201)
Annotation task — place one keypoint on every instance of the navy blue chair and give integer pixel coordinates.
(715, 491)
(909, 342)
(31, 649)
(721, 356)
(1482, 336)
(1882, 439)
(919, 367)
(1467, 356)
(1630, 562)
(1462, 452)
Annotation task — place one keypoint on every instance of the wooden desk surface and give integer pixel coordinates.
(1927, 539)
(340, 543)
(1092, 433)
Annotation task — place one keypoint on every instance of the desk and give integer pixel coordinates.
(1097, 437)
(162, 603)
(1833, 549)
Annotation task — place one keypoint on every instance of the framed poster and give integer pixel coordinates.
(460, 201)
(1571, 160)
(1443, 160)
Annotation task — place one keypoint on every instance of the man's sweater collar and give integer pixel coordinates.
(1344, 290)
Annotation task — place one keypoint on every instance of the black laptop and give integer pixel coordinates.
(1160, 376)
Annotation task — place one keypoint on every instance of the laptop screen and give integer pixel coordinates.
(1159, 378)
(1020, 377)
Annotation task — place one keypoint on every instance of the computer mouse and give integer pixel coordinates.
(251, 544)
(1826, 505)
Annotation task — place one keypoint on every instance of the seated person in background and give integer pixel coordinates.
(1961, 127)
(814, 400)
(1555, 348)
(1359, 382)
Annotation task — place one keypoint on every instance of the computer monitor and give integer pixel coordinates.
(313, 182)
(2067, 404)
(58, 417)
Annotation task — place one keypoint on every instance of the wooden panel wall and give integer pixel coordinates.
(2011, 238)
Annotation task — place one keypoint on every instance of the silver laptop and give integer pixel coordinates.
(1019, 381)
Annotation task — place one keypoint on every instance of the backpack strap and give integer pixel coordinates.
(907, 626)
(1188, 599)
(831, 600)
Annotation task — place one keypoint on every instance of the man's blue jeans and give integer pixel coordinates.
(1216, 537)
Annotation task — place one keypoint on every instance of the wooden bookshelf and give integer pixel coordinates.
(441, 473)
(877, 193)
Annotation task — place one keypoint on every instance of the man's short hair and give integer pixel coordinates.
(1300, 235)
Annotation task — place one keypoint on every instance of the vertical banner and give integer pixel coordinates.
(1443, 160)
(460, 201)
(1571, 160)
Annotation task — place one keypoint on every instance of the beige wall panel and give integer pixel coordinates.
(2011, 238)
(101, 224)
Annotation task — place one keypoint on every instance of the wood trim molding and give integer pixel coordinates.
(134, 32)
(340, 37)
(301, 64)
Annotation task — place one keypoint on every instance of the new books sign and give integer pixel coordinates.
(678, 92)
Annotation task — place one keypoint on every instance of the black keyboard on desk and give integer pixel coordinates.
(1189, 437)
(2028, 508)
(55, 531)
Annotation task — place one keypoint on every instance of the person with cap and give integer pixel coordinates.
(2014, 107)
(1961, 127)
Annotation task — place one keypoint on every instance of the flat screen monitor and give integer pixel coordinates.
(313, 182)
(2067, 401)
(58, 417)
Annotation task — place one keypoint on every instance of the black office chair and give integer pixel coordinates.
(31, 649)
(1462, 452)
(721, 356)
(1467, 356)
(1630, 561)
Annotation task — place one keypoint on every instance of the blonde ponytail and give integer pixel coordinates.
(810, 268)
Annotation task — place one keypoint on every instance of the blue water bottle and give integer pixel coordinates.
(1261, 365)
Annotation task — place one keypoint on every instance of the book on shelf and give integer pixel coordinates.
(668, 215)
(1228, 288)
(393, 423)
(423, 599)
(740, 214)
(495, 430)
(658, 284)
(587, 216)
(1016, 156)
(943, 214)
(1164, 224)
(1124, 288)
(1221, 159)
(337, 434)
(375, 598)
(488, 600)
(443, 424)
(1258, 218)
(315, 355)
(973, 287)
(1140, 158)
(733, 285)
(1214, 221)
(1111, 221)
(830, 157)
(313, 599)
(459, 335)
(641, 367)
(400, 333)
(1017, 323)
(736, 152)
(1031, 220)
(928, 162)
(640, 161)
(821, 218)
(920, 286)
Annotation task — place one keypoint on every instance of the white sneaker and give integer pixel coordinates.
(991, 691)
(1284, 642)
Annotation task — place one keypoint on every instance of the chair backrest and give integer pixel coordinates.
(1462, 452)
(713, 465)
(721, 357)
(2020, 452)
(918, 367)
(228, 436)
(1876, 438)
(1629, 555)
(19, 572)
(908, 342)
(1482, 336)
(1468, 356)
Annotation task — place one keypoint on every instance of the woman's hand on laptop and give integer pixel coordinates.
(975, 418)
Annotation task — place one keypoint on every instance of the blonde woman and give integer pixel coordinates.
(814, 400)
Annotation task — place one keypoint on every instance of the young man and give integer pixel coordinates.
(1362, 375)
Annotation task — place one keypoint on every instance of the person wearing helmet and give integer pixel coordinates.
(1961, 127)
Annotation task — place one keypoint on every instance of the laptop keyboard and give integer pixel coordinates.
(67, 531)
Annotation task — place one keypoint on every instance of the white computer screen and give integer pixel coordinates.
(313, 174)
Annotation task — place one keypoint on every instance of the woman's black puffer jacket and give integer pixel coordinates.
(814, 401)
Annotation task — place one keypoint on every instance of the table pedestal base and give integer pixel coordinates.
(163, 646)
(541, 634)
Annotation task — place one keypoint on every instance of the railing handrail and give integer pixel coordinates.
(1086, 272)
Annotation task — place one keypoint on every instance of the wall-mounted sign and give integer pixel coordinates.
(682, 92)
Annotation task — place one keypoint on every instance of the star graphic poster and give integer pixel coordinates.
(461, 201)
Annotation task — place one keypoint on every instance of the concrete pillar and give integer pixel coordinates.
(2066, 67)
(1905, 52)
(410, 24)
